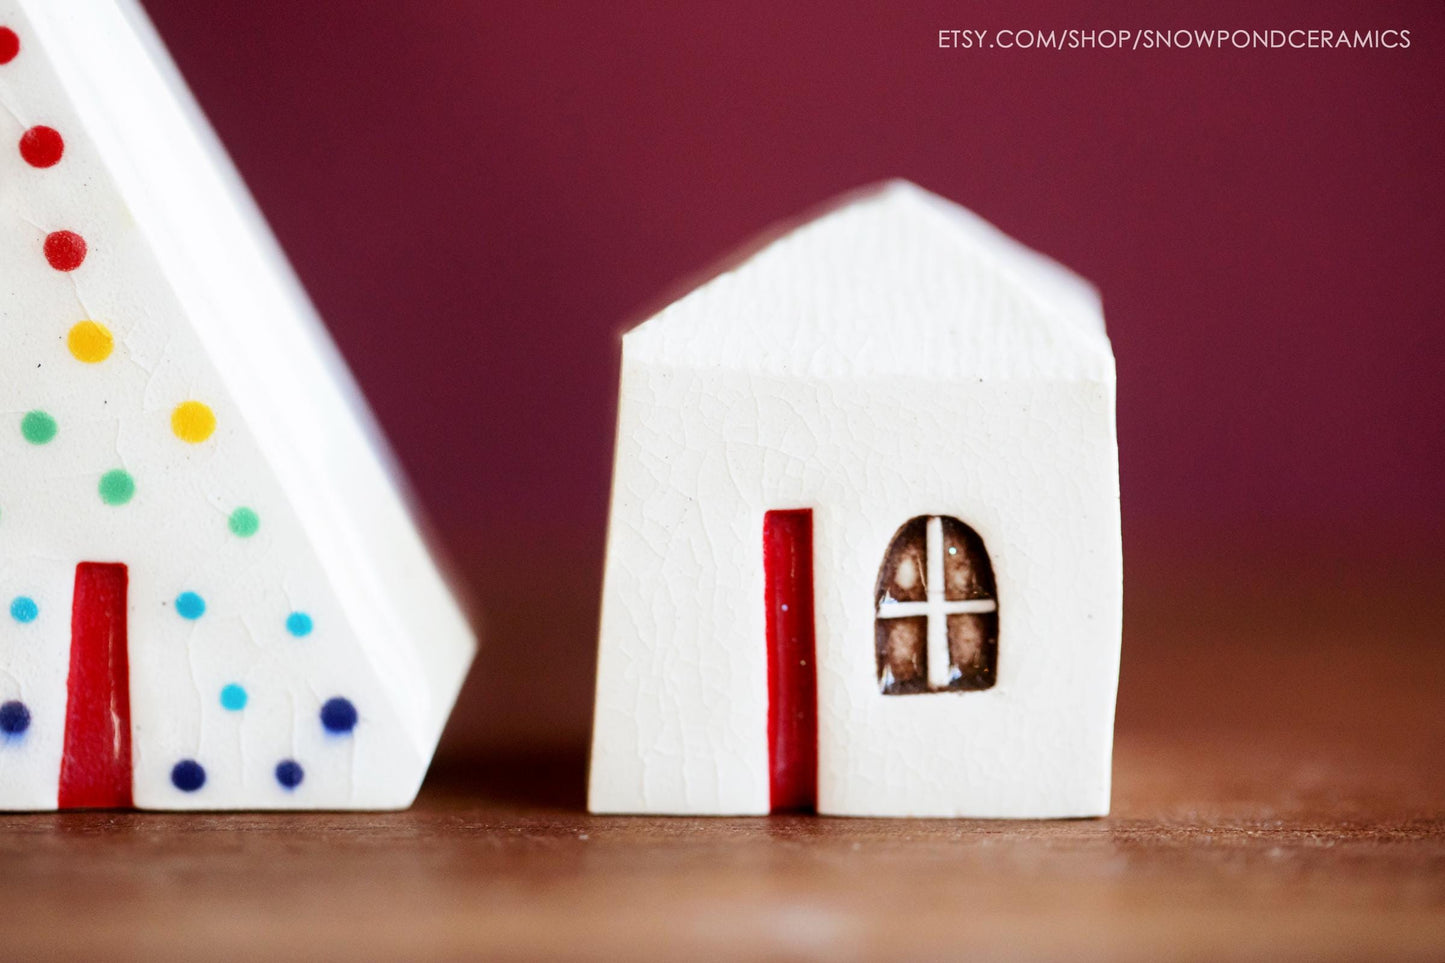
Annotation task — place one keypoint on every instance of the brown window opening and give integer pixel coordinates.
(936, 628)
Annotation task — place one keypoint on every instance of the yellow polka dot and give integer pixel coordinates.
(193, 421)
(90, 342)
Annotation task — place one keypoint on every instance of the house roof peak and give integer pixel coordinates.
(887, 280)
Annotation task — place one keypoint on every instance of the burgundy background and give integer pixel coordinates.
(481, 196)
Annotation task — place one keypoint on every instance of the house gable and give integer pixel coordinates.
(889, 281)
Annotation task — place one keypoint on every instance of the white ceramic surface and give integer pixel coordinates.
(893, 357)
(182, 271)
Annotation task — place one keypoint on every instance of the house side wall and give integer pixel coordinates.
(682, 693)
(1032, 467)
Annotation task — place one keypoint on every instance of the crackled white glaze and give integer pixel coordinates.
(202, 306)
(892, 358)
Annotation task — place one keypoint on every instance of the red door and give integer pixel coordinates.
(792, 668)
(95, 769)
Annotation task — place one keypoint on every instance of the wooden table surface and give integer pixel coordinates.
(1279, 793)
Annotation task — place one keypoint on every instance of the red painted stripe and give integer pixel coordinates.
(95, 770)
(792, 670)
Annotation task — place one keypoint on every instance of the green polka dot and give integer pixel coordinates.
(38, 427)
(244, 522)
(116, 487)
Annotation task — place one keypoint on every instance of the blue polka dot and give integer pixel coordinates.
(189, 605)
(289, 773)
(188, 775)
(233, 697)
(298, 624)
(14, 718)
(24, 609)
(338, 715)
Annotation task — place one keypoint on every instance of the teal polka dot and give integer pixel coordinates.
(24, 609)
(116, 487)
(233, 697)
(244, 522)
(189, 605)
(299, 624)
(38, 427)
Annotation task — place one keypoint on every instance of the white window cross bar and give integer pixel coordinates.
(905, 610)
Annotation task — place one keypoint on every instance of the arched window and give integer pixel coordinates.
(937, 610)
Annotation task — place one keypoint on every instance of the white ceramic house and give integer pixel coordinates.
(212, 594)
(864, 549)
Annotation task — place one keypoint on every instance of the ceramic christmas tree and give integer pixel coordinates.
(864, 548)
(213, 594)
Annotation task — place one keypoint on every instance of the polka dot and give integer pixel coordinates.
(14, 718)
(299, 624)
(244, 522)
(233, 697)
(191, 606)
(9, 45)
(338, 715)
(65, 250)
(24, 609)
(116, 487)
(193, 421)
(289, 773)
(90, 342)
(42, 146)
(188, 775)
(38, 426)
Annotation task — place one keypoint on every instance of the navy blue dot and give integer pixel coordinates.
(289, 773)
(14, 718)
(338, 715)
(188, 775)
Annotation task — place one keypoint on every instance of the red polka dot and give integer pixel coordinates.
(42, 146)
(9, 45)
(64, 250)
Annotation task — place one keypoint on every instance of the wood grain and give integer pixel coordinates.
(1279, 794)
